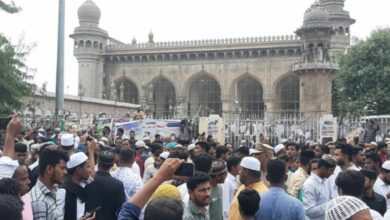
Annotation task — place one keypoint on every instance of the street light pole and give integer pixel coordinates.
(60, 59)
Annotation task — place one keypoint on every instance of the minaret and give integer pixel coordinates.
(341, 23)
(89, 43)
(317, 65)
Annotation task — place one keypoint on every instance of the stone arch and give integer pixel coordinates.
(76, 44)
(95, 44)
(204, 95)
(130, 90)
(163, 95)
(88, 44)
(287, 94)
(81, 43)
(101, 46)
(248, 91)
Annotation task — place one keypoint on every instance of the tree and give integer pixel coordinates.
(14, 76)
(362, 86)
(10, 8)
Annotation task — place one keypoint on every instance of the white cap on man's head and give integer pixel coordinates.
(191, 147)
(250, 163)
(140, 144)
(7, 167)
(386, 165)
(76, 159)
(67, 140)
(278, 148)
(164, 155)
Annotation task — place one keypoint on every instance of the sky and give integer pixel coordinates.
(169, 20)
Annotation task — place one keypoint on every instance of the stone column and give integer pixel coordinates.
(226, 107)
(315, 92)
(121, 92)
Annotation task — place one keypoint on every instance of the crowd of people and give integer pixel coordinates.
(49, 175)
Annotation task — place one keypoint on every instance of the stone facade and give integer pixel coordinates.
(250, 76)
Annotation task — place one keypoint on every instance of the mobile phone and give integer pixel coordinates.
(186, 169)
(90, 212)
(4, 122)
(95, 209)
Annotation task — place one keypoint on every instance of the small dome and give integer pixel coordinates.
(89, 12)
(316, 14)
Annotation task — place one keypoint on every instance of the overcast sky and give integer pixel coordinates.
(169, 20)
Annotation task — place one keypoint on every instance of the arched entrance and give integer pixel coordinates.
(164, 99)
(249, 94)
(204, 96)
(126, 91)
(288, 94)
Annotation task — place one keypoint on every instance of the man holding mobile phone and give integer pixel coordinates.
(72, 194)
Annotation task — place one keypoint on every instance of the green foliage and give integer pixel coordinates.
(13, 77)
(10, 8)
(362, 86)
(14, 83)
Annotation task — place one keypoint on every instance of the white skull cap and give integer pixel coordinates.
(343, 207)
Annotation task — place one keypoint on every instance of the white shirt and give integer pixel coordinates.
(316, 195)
(150, 171)
(375, 215)
(132, 182)
(184, 194)
(382, 188)
(332, 179)
(228, 189)
(35, 164)
(387, 215)
(61, 194)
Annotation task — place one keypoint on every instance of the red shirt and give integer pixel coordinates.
(140, 163)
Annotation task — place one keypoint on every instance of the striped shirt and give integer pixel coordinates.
(44, 203)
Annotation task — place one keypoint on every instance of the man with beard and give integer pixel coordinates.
(67, 143)
(218, 173)
(250, 177)
(199, 189)
(52, 170)
(151, 170)
(382, 184)
(372, 199)
(343, 155)
(72, 194)
(21, 177)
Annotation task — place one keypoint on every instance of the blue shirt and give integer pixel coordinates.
(129, 211)
(276, 204)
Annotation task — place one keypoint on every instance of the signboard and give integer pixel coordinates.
(328, 127)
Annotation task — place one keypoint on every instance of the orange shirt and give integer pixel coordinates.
(234, 213)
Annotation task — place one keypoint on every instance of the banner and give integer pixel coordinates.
(150, 127)
(328, 127)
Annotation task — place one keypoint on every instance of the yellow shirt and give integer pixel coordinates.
(297, 181)
(234, 213)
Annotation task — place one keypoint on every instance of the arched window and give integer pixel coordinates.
(250, 98)
(88, 44)
(95, 44)
(204, 96)
(164, 99)
(81, 43)
(288, 94)
(130, 91)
